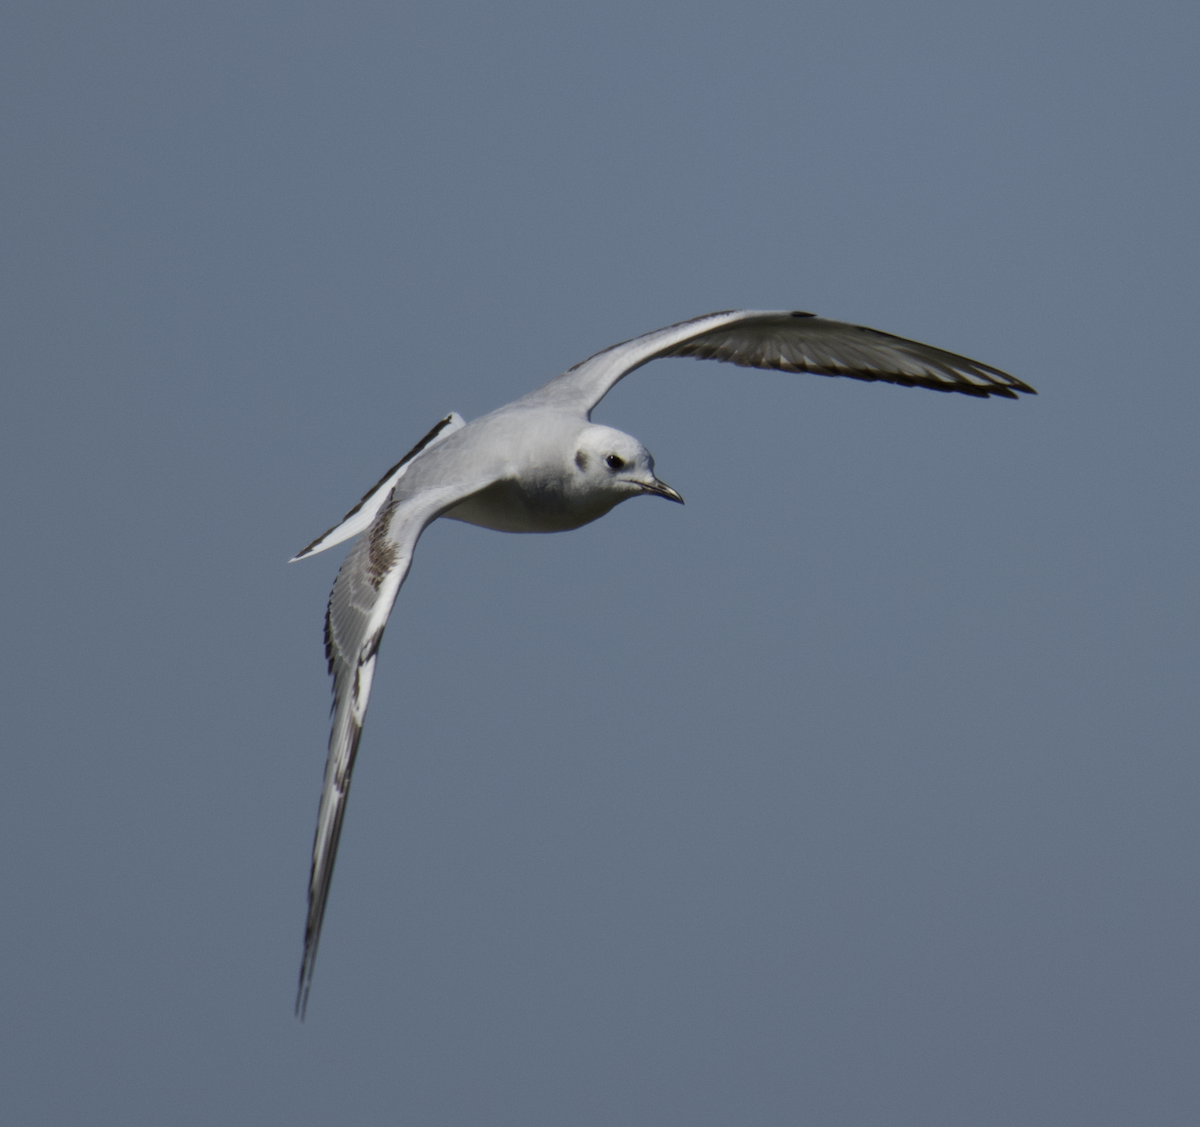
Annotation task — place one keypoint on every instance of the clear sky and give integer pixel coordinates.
(861, 790)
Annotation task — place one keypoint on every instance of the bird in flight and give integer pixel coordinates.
(541, 465)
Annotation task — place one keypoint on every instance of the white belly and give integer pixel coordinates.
(507, 507)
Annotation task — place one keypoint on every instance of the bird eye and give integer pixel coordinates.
(615, 462)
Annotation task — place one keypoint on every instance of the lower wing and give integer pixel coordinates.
(359, 606)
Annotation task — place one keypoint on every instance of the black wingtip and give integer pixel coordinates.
(304, 987)
(305, 984)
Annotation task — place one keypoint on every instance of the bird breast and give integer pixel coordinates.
(546, 506)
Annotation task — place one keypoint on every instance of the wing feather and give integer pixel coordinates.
(359, 518)
(359, 606)
(788, 341)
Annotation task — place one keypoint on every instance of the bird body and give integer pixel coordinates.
(540, 465)
(552, 475)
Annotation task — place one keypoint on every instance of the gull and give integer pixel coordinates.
(541, 465)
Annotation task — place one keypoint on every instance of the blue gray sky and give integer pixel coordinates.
(861, 790)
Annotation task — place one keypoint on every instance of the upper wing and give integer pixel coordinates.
(359, 605)
(793, 342)
(359, 518)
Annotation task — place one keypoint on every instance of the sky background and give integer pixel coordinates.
(861, 790)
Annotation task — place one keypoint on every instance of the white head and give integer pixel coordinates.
(616, 466)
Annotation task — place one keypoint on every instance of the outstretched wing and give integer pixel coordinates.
(792, 342)
(359, 518)
(359, 605)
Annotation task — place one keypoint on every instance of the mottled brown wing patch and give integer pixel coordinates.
(383, 552)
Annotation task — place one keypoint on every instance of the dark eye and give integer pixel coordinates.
(614, 462)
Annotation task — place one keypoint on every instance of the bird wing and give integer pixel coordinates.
(359, 605)
(359, 518)
(789, 341)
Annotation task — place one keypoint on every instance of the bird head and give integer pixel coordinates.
(610, 462)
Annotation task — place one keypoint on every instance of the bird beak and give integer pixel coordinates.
(661, 489)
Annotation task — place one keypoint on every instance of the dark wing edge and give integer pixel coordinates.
(361, 516)
(803, 342)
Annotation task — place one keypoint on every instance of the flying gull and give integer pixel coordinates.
(541, 465)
